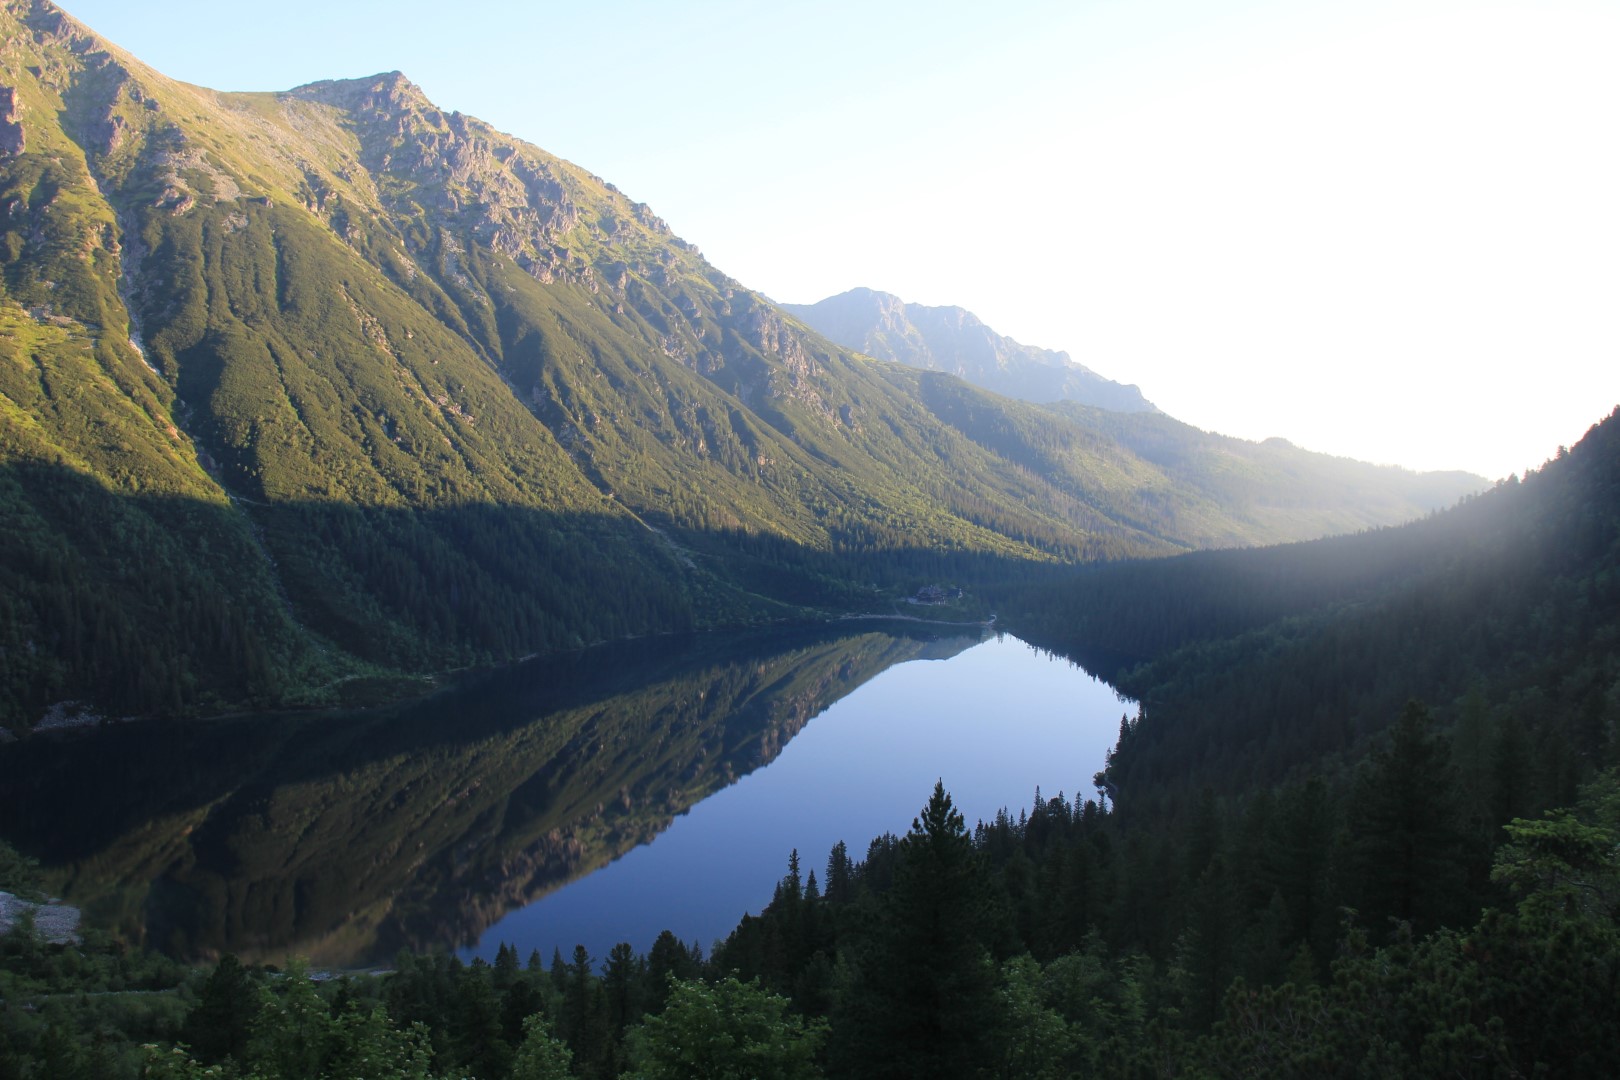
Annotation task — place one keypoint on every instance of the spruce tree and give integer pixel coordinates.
(1297, 865)
(1408, 855)
(840, 886)
(219, 1025)
(924, 992)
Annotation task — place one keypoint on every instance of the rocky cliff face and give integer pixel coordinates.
(954, 340)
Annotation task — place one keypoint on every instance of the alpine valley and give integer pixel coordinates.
(306, 394)
(311, 400)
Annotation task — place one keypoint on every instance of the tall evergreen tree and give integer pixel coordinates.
(584, 1017)
(669, 959)
(621, 985)
(1297, 865)
(1408, 856)
(219, 1025)
(924, 989)
(476, 1036)
(840, 886)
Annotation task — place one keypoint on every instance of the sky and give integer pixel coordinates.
(1385, 230)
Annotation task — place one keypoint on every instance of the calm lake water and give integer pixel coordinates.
(992, 721)
(588, 799)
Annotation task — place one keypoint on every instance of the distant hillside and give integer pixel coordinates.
(305, 394)
(1252, 666)
(952, 339)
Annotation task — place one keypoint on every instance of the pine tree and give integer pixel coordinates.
(1408, 856)
(669, 959)
(476, 1028)
(621, 984)
(506, 966)
(584, 1017)
(1297, 864)
(219, 1024)
(925, 985)
(840, 887)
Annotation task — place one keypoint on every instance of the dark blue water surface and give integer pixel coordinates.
(590, 798)
(993, 722)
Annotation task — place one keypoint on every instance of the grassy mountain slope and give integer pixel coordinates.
(393, 391)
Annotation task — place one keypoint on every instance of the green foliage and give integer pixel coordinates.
(1518, 993)
(19, 875)
(293, 1032)
(726, 1031)
(541, 1056)
(173, 1063)
(395, 415)
(368, 1044)
(83, 1010)
(1563, 866)
(220, 1024)
(1038, 1043)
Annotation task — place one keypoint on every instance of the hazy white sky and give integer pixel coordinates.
(1389, 230)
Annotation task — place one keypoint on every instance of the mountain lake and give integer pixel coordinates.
(593, 798)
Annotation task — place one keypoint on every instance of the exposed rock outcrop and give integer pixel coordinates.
(12, 139)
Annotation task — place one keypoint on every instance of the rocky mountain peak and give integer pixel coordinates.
(955, 340)
(44, 17)
(384, 95)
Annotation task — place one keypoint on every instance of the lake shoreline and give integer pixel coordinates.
(73, 719)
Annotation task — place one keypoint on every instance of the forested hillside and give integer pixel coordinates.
(1503, 614)
(305, 394)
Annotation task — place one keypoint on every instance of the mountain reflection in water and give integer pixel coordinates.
(347, 836)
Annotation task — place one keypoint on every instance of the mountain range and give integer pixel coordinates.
(305, 394)
(955, 340)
